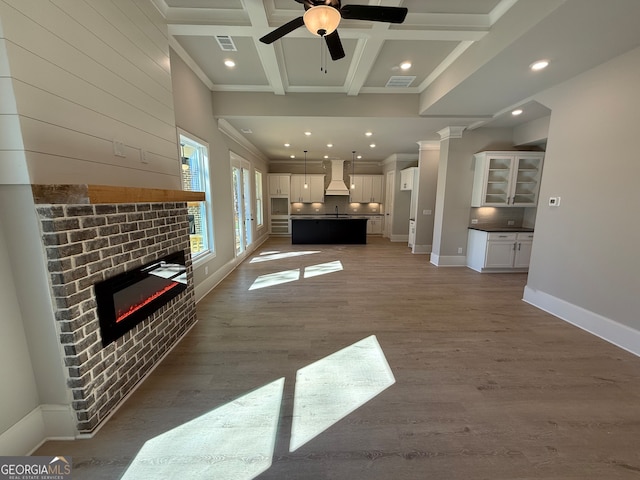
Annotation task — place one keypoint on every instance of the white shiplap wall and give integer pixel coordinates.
(84, 73)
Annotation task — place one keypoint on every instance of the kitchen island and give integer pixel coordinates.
(328, 229)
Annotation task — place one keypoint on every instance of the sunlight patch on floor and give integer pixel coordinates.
(322, 269)
(285, 276)
(276, 278)
(268, 256)
(233, 442)
(331, 388)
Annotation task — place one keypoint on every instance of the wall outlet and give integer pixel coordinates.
(459, 249)
(474, 221)
(374, 210)
(206, 270)
(317, 209)
(511, 222)
(118, 148)
(297, 209)
(426, 212)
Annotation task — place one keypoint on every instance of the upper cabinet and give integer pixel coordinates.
(279, 185)
(507, 179)
(366, 188)
(407, 176)
(314, 192)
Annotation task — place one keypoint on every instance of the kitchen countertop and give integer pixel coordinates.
(330, 217)
(493, 229)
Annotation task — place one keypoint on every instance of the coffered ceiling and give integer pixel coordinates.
(469, 67)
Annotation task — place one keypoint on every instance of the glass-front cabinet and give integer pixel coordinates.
(507, 179)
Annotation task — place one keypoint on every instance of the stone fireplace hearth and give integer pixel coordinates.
(86, 243)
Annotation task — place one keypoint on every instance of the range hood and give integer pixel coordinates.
(337, 185)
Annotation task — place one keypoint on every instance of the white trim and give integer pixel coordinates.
(421, 249)
(448, 260)
(213, 280)
(399, 238)
(609, 330)
(45, 422)
(227, 129)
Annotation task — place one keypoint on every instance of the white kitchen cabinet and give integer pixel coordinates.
(366, 188)
(407, 177)
(507, 179)
(375, 225)
(523, 250)
(314, 193)
(499, 251)
(279, 185)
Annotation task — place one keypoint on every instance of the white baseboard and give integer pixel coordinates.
(609, 330)
(399, 238)
(448, 260)
(212, 281)
(45, 422)
(421, 249)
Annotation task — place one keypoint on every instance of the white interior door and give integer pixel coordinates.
(388, 203)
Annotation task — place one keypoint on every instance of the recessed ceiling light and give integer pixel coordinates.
(230, 63)
(373, 145)
(287, 144)
(326, 156)
(292, 156)
(307, 133)
(516, 112)
(329, 145)
(539, 65)
(359, 157)
(405, 65)
(368, 134)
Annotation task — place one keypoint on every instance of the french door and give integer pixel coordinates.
(242, 204)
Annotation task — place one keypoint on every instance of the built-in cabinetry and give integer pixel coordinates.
(279, 222)
(366, 188)
(375, 225)
(407, 177)
(312, 194)
(499, 251)
(279, 184)
(507, 179)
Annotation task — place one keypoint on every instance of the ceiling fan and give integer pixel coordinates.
(321, 17)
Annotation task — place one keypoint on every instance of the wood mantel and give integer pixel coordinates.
(94, 194)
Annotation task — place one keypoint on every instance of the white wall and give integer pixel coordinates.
(74, 76)
(16, 370)
(85, 73)
(585, 262)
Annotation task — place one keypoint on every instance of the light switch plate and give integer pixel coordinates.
(554, 201)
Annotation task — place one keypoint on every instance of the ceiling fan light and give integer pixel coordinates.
(321, 20)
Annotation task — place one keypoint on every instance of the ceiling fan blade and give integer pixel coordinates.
(335, 45)
(374, 13)
(282, 30)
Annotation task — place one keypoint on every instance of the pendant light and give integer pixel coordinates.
(306, 185)
(353, 169)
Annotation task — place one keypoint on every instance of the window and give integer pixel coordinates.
(259, 201)
(195, 177)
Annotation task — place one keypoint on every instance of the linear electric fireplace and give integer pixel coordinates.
(127, 299)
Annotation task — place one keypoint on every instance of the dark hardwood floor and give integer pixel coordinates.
(487, 386)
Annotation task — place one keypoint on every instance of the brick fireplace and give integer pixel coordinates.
(89, 238)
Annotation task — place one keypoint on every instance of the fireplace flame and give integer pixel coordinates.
(134, 308)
